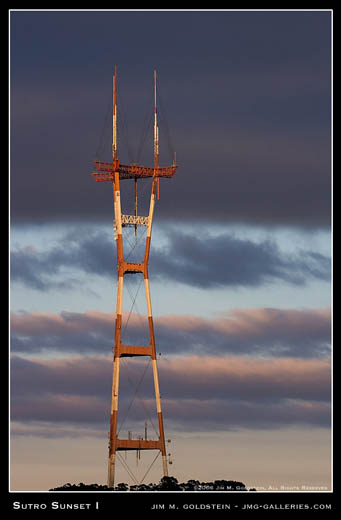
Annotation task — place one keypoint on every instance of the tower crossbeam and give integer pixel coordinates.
(132, 220)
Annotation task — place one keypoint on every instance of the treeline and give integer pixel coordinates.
(165, 484)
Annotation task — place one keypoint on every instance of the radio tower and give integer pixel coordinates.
(115, 172)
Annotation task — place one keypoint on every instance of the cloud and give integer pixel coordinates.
(50, 430)
(233, 415)
(249, 379)
(225, 260)
(190, 377)
(93, 253)
(86, 376)
(205, 262)
(59, 408)
(281, 332)
(197, 392)
(91, 331)
(264, 332)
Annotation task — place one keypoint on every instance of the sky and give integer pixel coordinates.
(240, 265)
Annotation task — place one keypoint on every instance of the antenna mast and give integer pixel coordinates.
(156, 129)
(114, 117)
(156, 137)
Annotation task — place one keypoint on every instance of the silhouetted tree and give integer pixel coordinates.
(121, 487)
(191, 485)
(145, 487)
(168, 484)
(165, 484)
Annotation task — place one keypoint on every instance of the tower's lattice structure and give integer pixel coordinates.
(115, 172)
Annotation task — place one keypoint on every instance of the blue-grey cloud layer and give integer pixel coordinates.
(206, 262)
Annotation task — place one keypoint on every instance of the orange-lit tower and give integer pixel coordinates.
(115, 172)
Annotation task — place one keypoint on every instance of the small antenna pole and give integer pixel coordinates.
(156, 137)
(135, 204)
(114, 117)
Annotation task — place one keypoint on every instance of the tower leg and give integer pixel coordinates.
(118, 326)
(115, 386)
(156, 379)
(111, 470)
(113, 423)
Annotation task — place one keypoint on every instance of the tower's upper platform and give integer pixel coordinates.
(105, 171)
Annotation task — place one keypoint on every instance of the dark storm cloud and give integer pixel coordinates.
(258, 332)
(246, 97)
(215, 392)
(206, 262)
